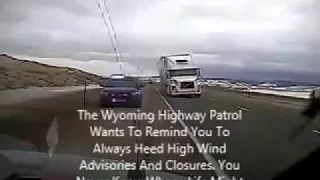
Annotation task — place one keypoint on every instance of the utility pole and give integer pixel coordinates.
(120, 67)
(139, 71)
(84, 94)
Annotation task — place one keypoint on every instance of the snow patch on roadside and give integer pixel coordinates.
(302, 92)
(301, 95)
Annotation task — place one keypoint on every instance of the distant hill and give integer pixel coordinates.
(15, 73)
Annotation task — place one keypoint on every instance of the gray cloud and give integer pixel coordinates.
(272, 34)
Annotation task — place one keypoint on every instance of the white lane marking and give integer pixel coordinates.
(316, 131)
(244, 109)
(212, 99)
(52, 137)
(196, 141)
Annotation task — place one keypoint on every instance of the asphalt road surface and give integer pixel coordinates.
(258, 141)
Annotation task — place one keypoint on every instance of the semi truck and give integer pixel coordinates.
(179, 76)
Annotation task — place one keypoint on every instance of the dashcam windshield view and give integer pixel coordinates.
(159, 89)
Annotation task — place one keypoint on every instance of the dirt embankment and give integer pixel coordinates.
(15, 74)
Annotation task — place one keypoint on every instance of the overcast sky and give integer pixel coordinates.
(243, 34)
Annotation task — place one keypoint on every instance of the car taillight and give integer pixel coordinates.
(136, 93)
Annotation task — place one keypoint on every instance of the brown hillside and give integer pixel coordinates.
(15, 73)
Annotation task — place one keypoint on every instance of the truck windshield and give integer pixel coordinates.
(185, 72)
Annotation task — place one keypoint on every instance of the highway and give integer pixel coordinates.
(259, 141)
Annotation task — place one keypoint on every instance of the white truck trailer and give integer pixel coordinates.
(178, 75)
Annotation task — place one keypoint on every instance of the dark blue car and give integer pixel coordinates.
(121, 92)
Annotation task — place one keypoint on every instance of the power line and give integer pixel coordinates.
(114, 44)
(106, 24)
(113, 29)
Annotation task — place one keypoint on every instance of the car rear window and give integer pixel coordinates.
(121, 83)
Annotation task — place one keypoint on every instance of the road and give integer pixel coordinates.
(258, 141)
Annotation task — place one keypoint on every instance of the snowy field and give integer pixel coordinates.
(301, 95)
(302, 92)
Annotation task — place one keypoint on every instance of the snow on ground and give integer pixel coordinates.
(302, 95)
(302, 92)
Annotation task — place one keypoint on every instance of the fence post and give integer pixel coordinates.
(84, 93)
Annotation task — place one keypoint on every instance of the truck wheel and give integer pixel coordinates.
(168, 91)
(163, 90)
